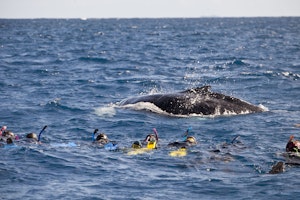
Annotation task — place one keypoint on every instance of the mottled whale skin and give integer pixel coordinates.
(200, 101)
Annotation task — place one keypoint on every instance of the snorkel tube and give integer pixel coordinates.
(156, 134)
(236, 137)
(93, 135)
(39, 138)
(186, 133)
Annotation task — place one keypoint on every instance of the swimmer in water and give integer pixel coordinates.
(182, 146)
(277, 168)
(102, 139)
(32, 138)
(9, 141)
(189, 141)
(136, 145)
(150, 142)
(8, 134)
(292, 145)
(2, 129)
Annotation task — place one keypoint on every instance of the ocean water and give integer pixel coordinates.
(71, 74)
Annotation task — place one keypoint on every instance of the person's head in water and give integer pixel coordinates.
(293, 145)
(136, 145)
(102, 138)
(3, 128)
(151, 141)
(9, 141)
(8, 134)
(150, 138)
(32, 136)
(191, 140)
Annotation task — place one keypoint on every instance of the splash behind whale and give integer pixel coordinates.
(196, 101)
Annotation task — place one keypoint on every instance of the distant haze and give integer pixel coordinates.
(147, 8)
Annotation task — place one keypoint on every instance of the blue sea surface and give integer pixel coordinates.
(70, 75)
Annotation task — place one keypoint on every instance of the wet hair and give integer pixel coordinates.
(150, 138)
(8, 133)
(9, 141)
(278, 168)
(102, 139)
(291, 146)
(136, 145)
(102, 136)
(32, 136)
(191, 140)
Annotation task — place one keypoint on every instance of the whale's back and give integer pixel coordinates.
(199, 101)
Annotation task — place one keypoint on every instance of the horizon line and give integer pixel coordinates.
(89, 18)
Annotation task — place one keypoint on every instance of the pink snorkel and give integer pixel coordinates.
(156, 134)
(149, 136)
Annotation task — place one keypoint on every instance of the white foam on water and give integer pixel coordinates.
(263, 107)
(106, 111)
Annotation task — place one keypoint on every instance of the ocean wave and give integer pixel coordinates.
(95, 59)
(291, 75)
(238, 62)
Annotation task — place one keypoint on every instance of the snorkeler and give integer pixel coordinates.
(292, 145)
(32, 138)
(9, 143)
(102, 140)
(3, 128)
(292, 156)
(187, 141)
(151, 140)
(8, 134)
(136, 145)
(147, 145)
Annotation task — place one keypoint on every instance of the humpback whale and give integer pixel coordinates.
(196, 101)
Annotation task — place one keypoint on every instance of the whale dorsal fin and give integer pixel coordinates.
(203, 89)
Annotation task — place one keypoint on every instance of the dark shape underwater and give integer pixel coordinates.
(199, 101)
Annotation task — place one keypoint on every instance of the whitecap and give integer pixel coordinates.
(285, 73)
